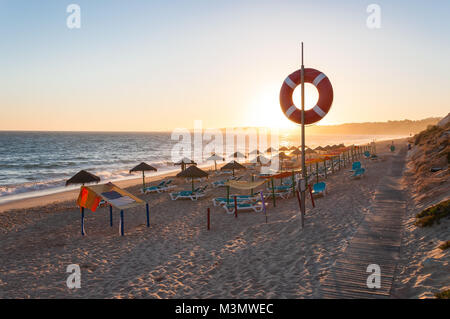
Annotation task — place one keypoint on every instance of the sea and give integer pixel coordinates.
(38, 163)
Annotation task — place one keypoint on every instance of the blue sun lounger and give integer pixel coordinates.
(355, 166)
(192, 195)
(161, 187)
(319, 189)
(358, 173)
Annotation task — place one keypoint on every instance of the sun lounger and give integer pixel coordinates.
(255, 206)
(319, 189)
(240, 199)
(192, 195)
(222, 182)
(161, 187)
(281, 194)
(281, 188)
(358, 173)
(355, 166)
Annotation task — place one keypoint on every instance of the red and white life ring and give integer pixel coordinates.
(323, 85)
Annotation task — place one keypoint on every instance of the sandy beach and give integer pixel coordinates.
(176, 257)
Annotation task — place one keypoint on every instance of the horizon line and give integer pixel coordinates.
(234, 127)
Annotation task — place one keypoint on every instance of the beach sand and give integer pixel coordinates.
(176, 257)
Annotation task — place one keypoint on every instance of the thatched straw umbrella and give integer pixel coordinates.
(232, 165)
(83, 177)
(143, 167)
(260, 159)
(185, 161)
(281, 156)
(214, 157)
(238, 155)
(296, 152)
(270, 150)
(255, 152)
(283, 148)
(192, 172)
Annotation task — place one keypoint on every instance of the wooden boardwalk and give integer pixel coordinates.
(376, 241)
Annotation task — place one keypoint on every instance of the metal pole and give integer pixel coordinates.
(303, 195)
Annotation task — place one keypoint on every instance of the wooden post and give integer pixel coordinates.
(332, 164)
(264, 204)
(310, 194)
(325, 166)
(208, 219)
(122, 231)
(148, 214)
(82, 221)
(273, 194)
(317, 172)
(110, 216)
(299, 200)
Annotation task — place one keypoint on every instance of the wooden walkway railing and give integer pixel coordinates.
(376, 241)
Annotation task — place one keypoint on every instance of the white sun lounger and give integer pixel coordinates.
(240, 199)
(282, 194)
(255, 206)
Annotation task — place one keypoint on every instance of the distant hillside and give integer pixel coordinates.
(404, 127)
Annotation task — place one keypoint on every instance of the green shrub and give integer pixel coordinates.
(445, 245)
(433, 214)
(443, 294)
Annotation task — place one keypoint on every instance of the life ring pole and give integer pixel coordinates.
(303, 143)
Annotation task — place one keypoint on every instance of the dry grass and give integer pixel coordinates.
(433, 214)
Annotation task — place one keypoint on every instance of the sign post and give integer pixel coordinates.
(303, 197)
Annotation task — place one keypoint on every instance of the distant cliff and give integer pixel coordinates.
(405, 127)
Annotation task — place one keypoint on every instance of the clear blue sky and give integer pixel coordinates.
(155, 65)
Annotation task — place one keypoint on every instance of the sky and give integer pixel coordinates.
(141, 65)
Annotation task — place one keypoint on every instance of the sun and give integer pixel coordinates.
(265, 111)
